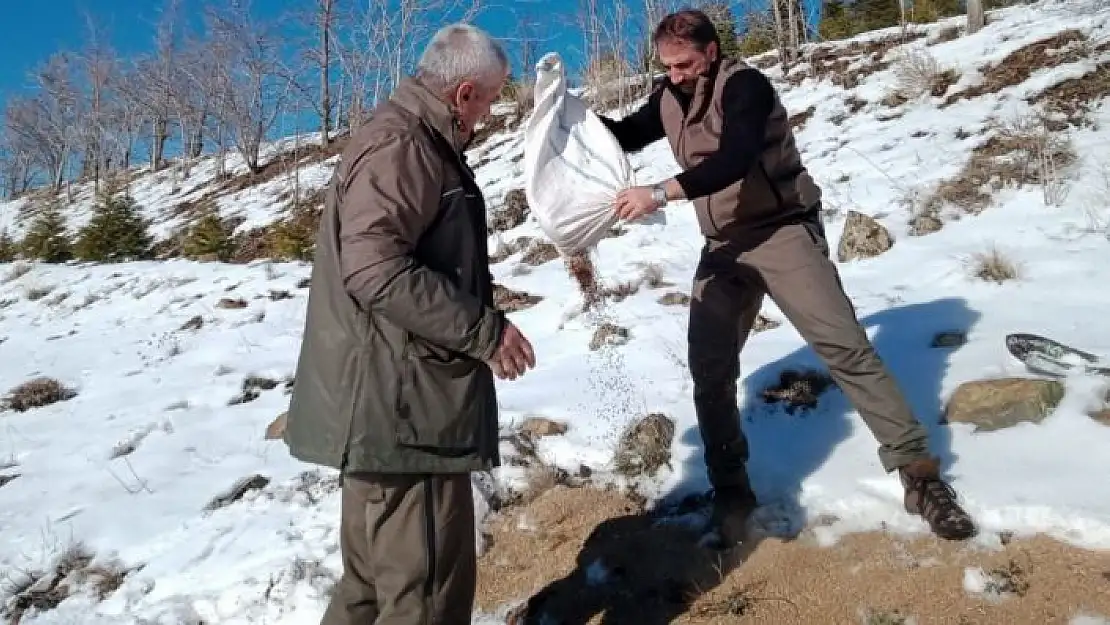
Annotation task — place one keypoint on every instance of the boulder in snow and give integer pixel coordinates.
(1002, 403)
(863, 237)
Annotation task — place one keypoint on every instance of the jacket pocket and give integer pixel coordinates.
(442, 398)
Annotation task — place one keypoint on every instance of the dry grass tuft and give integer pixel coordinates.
(1064, 47)
(993, 266)
(917, 73)
(36, 393)
(645, 446)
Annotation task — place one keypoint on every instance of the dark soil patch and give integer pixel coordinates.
(1020, 64)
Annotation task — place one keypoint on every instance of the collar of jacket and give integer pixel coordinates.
(417, 99)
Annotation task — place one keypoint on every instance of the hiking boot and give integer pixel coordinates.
(934, 500)
(731, 508)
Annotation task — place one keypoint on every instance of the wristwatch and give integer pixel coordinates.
(659, 195)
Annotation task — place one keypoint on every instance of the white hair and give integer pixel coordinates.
(459, 52)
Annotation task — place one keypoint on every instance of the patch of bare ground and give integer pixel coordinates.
(587, 555)
(1076, 98)
(846, 66)
(1023, 151)
(1066, 46)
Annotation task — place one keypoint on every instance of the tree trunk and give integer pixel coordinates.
(325, 78)
(976, 19)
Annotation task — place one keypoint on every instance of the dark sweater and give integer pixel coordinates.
(748, 98)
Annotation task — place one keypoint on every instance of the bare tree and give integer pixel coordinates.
(249, 83)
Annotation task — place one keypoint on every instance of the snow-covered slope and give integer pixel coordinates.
(128, 465)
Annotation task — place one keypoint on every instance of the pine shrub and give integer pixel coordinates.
(208, 238)
(46, 239)
(116, 232)
(294, 238)
(8, 247)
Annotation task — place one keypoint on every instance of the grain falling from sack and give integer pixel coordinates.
(581, 268)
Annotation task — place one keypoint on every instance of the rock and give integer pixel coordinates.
(608, 334)
(237, 491)
(276, 429)
(863, 238)
(509, 300)
(645, 447)
(4, 479)
(1001, 403)
(538, 427)
(949, 338)
(231, 304)
(513, 212)
(675, 298)
(925, 224)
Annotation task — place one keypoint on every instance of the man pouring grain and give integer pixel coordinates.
(759, 211)
(394, 384)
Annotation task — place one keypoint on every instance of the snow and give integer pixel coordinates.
(146, 384)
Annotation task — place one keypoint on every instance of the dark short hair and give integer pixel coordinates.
(688, 25)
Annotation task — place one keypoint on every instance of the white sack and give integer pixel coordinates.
(573, 165)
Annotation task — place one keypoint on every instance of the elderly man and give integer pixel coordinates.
(759, 211)
(402, 341)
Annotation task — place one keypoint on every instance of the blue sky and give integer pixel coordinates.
(30, 30)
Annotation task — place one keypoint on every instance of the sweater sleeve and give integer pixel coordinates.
(639, 128)
(748, 99)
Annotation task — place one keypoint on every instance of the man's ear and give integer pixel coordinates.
(464, 92)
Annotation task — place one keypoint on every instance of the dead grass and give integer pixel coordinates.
(539, 252)
(645, 446)
(593, 556)
(1027, 150)
(1064, 47)
(917, 73)
(512, 213)
(799, 119)
(993, 266)
(36, 393)
(847, 66)
(509, 300)
(505, 250)
(43, 590)
(1076, 98)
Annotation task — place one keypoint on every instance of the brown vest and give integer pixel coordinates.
(776, 190)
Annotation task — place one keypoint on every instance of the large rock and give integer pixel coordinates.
(1002, 403)
(863, 237)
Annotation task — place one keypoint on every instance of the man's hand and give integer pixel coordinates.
(514, 356)
(635, 202)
